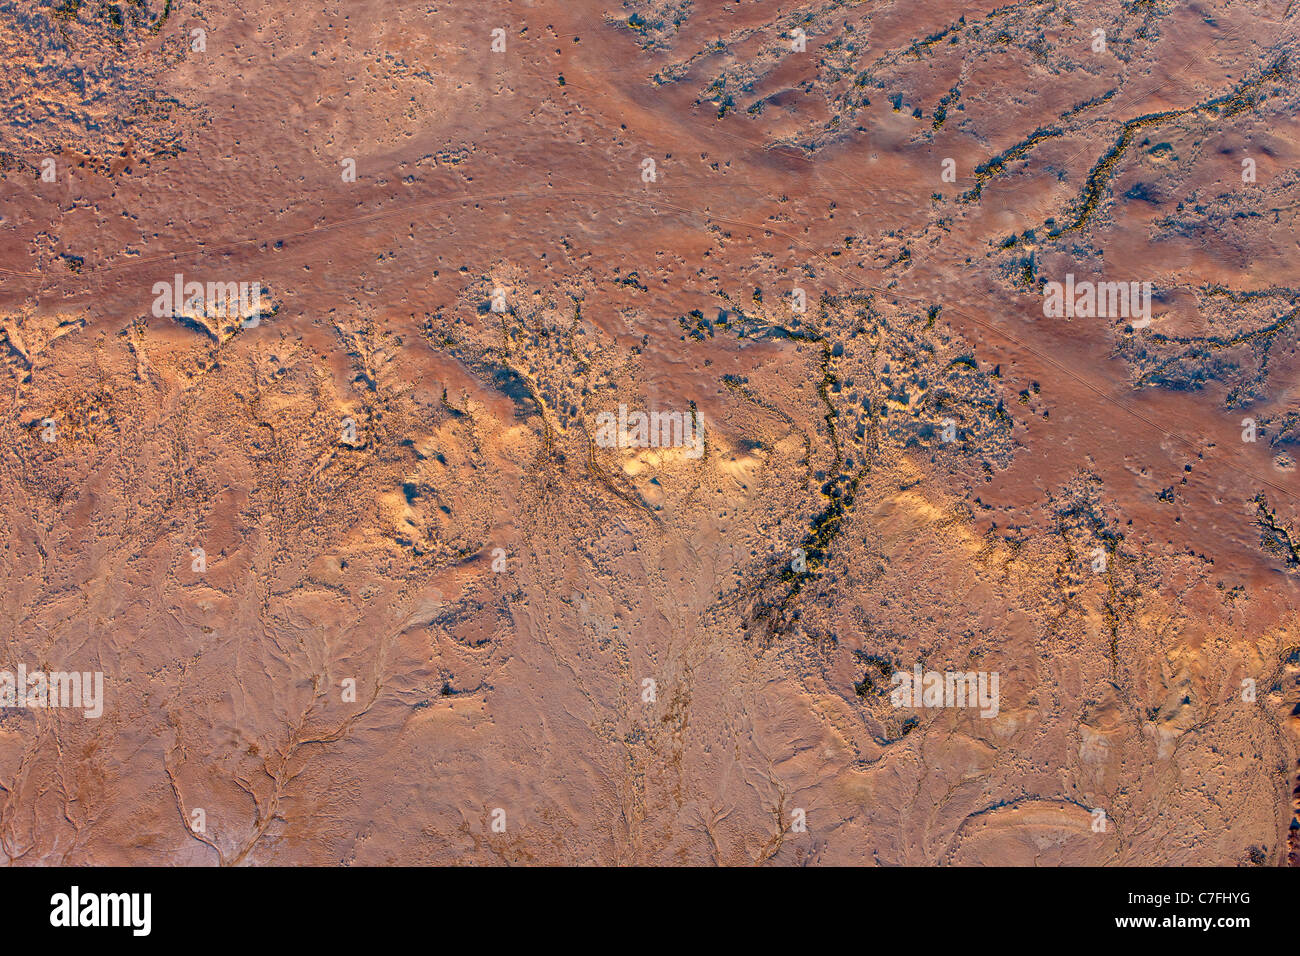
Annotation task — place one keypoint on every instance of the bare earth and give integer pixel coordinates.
(365, 588)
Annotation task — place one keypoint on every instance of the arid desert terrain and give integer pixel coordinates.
(558, 432)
